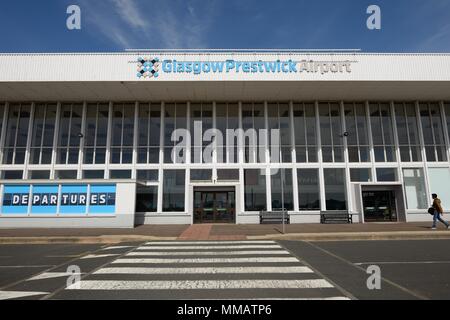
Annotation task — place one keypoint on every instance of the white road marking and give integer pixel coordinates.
(326, 298)
(19, 294)
(205, 253)
(50, 275)
(203, 270)
(206, 260)
(208, 247)
(30, 266)
(210, 242)
(402, 262)
(91, 256)
(199, 284)
(116, 247)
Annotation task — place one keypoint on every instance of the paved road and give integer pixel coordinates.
(226, 270)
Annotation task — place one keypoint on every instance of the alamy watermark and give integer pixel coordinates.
(255, 141)
(374, 280)
(73, 21)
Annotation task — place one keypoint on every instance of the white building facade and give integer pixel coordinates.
(87, 139)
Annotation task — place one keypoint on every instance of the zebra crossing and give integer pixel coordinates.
(204, 270)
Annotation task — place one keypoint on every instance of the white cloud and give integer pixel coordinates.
(155, 24)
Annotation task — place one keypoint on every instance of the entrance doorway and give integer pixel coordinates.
(214, 206)
(379, 206)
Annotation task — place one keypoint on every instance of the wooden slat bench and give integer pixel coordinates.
(273, 217)
(338, 216)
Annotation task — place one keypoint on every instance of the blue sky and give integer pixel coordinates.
(113, 25)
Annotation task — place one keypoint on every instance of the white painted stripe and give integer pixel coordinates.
(205, 253)
(30, 266)
(116, 247)
(153, 243)
(19, 294)
(91, 256)
(402, 262)
(313, 298)
(50, 275)
(199, 284)
(208, 247)
(206, 260)
(204, 270)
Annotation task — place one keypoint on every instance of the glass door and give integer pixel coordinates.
(379, 206)
(214, 206)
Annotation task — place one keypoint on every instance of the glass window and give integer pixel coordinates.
(447, 113)
(331, 132)
(227, 118)
(43, 134)
(279, 119)
(96, 132)
(120, 174)
(414, 182)
(433, 133)
(387, 174)
(335, 190)
(253, 122)
(255, 189)
(149, 132)
(174, 118)
(39, 174)
(360, 175)
(382, 132)
(278, 178)
(69, 133)
(173, 190)
(407, 132)
(308, 189)
(93, 174)
(357, 129)
(122, 133)
(147, 175)
(228, 174)
(66, 174)
(305, 132)
(12, 175)
(146, 199)
(439, 178)
(201, 114)
(201, 174)
(16, 134)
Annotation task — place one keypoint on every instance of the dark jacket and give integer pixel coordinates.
(437, 205)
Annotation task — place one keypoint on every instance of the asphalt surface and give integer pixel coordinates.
(412, 269)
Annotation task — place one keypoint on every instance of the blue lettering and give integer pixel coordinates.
(188, 67)
(197, 67)
(292, 66)
(217, 66)
(270, 66)
(229, 65)
(167, 66)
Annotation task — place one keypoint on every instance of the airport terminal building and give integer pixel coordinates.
(183, 137)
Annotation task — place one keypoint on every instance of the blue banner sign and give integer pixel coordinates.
(59, 199)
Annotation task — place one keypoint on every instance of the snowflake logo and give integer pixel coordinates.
(147, 67)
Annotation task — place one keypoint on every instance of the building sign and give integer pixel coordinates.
(152, 67)
(59, 199)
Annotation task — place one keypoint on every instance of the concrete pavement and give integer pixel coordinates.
(307, 232)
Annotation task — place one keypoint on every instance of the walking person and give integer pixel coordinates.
(438, 211)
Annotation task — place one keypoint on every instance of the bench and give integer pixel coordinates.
(273, 217)
(338, 216)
